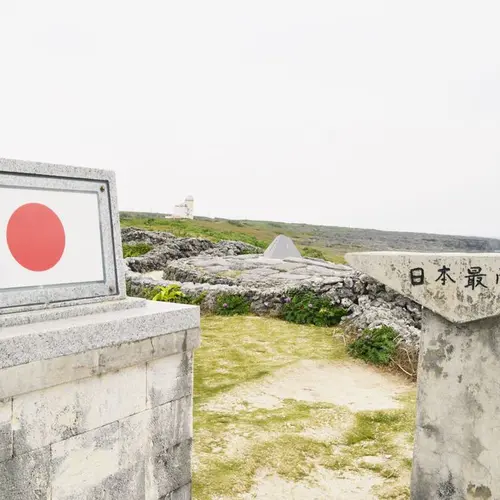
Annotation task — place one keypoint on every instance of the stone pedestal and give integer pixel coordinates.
(458, 404)
(96, 402)
(457, 429)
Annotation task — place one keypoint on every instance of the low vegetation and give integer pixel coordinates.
(171, 293)
(260, 234)
(232, 447)
(232, 305)
(376, 345)
(136, 250)
(312, 253)
(307, 308)
(195, 229)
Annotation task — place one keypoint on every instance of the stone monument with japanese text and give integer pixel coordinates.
(95, 387)
(458, 405)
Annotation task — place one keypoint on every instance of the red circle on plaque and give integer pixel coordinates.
(36, 237)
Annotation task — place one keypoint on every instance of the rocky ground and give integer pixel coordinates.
(203, 267)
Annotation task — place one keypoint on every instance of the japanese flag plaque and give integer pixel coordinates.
(59, 235)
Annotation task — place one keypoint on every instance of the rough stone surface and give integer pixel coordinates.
(52, 415)
(26, 477)
(170, 469)
(459, 287)
(73, 335)
(107, 462)
(108, 423)
(266, 283)
(5, 429)
(167, 247)
(183, 493)
(69, 311)
(47, 373)
(169, 378)
(456, 451)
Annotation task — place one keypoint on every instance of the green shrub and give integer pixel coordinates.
(307, 308)
(135, 250)
(313, 253)
(196, 301)
(376, 345)
(232, 305)
(172, 293)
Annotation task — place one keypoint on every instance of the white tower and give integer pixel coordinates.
(189, 202)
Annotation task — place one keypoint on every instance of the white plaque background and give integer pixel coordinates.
(82, 260)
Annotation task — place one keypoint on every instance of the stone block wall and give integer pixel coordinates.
(107, 423)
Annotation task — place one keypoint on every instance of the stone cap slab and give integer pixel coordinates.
(66, 336)
(461, 287)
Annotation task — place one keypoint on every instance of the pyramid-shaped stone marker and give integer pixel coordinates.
(281, 248)
(460, 287)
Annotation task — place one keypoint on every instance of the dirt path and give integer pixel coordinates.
(353, 385)
(323, 428)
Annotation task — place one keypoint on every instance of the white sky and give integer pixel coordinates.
(380, 114)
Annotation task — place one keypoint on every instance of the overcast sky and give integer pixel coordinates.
(379, 114)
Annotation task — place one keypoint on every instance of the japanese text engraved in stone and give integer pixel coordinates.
(475, 278)
(444, 275)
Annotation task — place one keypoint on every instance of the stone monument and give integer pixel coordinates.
(458, 405)
(95, 387)
(282, 247)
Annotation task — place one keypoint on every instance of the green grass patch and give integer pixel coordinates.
(237, 350)
(257, 233)
(210, 230)
(135, 250)
(240, 349)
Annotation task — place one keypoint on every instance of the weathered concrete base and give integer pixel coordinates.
(100, 406)
(458, 419)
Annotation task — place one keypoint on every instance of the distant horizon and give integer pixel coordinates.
(316, 225)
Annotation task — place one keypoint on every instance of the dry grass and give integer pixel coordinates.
(232, 447)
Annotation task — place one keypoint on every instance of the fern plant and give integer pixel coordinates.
(170, 293)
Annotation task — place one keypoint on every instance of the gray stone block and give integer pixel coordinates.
(38, 375)
(169, 378)
(171, 424)
(182, 493)
(168, 471)
(127, 354)
(5, 429)
(52, 415)
(166, 345)
(69, 336)
(193, 339)
(47, 373)
(63, 310)
(106, 463)
(26, 477)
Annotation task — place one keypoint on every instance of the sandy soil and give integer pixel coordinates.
(322, 484)
(353, 385)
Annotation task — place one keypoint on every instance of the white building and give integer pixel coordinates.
(183, 210)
